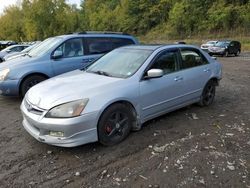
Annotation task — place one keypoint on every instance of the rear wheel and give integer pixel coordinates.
(208, 94)
(30, 82)
(115, 124)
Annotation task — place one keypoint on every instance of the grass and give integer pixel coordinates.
(244, 40)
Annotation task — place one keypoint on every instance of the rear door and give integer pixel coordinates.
(196, 72)
(72, 55)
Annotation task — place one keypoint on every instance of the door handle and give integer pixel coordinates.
(206, 70)
(178, 78)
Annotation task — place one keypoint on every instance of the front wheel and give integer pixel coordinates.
(29, 83)
(237, 53)
(208, 94)
(115, 124)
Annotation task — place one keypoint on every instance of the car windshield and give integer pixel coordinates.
(222, 43)
(45, 46)
(121, 63)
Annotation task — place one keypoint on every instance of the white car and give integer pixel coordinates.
(208, 44)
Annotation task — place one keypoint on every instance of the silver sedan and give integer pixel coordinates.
(118, 93)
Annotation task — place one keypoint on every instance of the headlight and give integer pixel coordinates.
(3, 74)
(68, 110)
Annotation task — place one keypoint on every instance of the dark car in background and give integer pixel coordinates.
(225, 48)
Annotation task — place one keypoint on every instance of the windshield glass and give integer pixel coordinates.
(45, 46)
(120, 63)
(221, 43)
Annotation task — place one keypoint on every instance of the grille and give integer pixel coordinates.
(32, 109)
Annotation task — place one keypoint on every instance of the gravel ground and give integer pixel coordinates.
(191, 147)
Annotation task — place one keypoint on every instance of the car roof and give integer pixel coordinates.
(97, 34)
(157, 46)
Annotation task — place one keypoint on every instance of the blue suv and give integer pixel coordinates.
(55, 56)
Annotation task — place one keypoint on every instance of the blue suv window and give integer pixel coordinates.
(98, 45)
(71, 48)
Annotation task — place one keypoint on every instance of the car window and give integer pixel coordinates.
(71, 48)
(98, 45)
(192, 58)
(166, 61)
(118, 42)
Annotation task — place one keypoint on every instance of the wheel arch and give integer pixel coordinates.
(29, 75)
(136, 124)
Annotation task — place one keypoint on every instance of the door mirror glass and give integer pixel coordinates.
(154, 73)
(57, 54)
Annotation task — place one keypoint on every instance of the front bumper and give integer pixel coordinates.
(77, 131)
(216, 52)
(9, 88)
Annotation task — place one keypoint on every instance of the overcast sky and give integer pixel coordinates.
(5, 3)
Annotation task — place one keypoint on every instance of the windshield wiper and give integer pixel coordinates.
(101, 73)
(26, 54)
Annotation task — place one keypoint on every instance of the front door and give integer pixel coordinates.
(158, 95)
(72, 56)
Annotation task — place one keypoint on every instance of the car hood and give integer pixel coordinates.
(68, 87)
(14, 62)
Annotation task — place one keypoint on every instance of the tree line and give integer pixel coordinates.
(39, 19)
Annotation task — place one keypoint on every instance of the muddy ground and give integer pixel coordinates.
(191, 147)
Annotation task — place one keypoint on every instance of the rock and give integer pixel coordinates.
(212, 172)
(229, 134)
(194, 116)
(150, 146)
(222, 115)
(178, 161)
(49, 152)
(125, 179)
(160, 149)
(164, 170)
(248, 142)
(67, 181)
(202, 181)
(77, 174)
(104, 172)
(230, 167)
(108, 175)
(117, 179)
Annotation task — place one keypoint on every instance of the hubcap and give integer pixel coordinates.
(116, 124)
(209, 94)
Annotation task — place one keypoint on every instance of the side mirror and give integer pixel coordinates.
(8, 51)
(154, 73)
(57, 55)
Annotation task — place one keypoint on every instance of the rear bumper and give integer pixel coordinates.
(9, 88)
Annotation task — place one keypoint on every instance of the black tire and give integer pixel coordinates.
(208, 94)
(30, 82)
(226, 54)
(237, 53)
(115, 124)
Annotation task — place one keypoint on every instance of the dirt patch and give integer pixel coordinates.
(191, 147)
